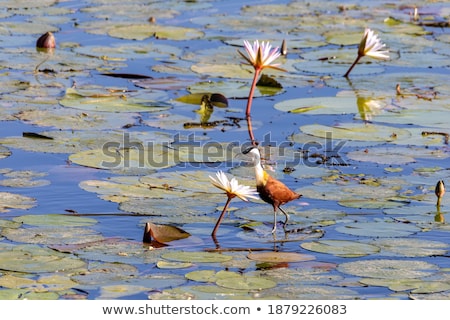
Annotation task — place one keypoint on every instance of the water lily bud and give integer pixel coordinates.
(46, 41)
(440, 189)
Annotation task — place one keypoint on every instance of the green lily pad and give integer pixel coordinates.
(203, 257)
(389, 269)
(63, 118)
(279, 257)
(51, 235)
(356, 131)
(114, 100)
(243, 282)
(33, 259)
(341, 248)
(163, 264)
(397, 155)
(378, 229)
(62, 220)
(144, 31)
(4, 152)
(10, 201)
(412, 285)
(410, 247)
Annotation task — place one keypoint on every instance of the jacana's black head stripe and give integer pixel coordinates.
(247, 150)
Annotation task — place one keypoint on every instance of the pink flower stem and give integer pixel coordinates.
(216, 227)
(252, 91)
(250, 131)
(352, 66)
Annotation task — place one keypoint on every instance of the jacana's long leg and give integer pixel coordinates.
(287, 216)
(274, 221)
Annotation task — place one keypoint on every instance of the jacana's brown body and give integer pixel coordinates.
(270, 189)
(276, 193)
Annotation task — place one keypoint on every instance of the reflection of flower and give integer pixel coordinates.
(233, 189)
(370, 46)
(260, 56)
(368, 107)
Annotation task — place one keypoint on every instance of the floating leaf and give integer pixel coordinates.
(389, 269)
(278, 257)
(356, 131)
(113, 100)
(143, 31)
(341, 248)
(163, 264)
(61, 220)
(412, 285)
(410, 247)
(397, 155)
(247, 283)
(204, 257)
(33, 259)
(378, 229)
(51, 235)
(163, 233)
(4, 152)
(10, 201)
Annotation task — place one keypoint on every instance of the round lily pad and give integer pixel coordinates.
(356, 131)
(389, 269)
(61, 220)
(341, 248)
(246, 283)
(278, 257)
(10, 201)
(31, 259)
(378, 229)
(195, 256)
(410, 247)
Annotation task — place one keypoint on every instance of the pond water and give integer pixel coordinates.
(125, 82)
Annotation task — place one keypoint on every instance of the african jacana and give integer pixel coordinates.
(270, 189)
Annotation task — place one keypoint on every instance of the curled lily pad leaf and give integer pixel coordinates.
(341, 248)
(163, 233)
(389, 269)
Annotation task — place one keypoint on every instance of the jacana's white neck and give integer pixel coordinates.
(259, 170)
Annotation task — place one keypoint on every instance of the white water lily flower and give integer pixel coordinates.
(232, 187)
(262, 55)
(371, 46)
